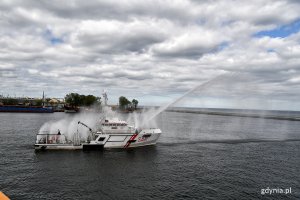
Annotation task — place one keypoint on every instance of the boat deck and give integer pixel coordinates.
(57, 147)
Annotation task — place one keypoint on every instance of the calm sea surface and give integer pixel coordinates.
(197, 157)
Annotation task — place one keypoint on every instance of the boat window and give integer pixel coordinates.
(101, 139)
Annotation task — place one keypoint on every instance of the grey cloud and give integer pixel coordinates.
(191, 52)
(119, 37)
(121, 10)
(117, 44)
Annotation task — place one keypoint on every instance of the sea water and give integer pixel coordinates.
(198, 156)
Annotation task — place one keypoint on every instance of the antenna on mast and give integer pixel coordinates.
(43, 101)
(105, 97)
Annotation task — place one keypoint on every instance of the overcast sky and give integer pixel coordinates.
(154, 50)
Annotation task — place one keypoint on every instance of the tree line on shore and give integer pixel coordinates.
(74, 99)
(125, 104)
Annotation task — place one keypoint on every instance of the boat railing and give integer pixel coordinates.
(51, 138)
(117, 131)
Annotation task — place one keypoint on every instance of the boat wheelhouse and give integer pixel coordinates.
(115, 126)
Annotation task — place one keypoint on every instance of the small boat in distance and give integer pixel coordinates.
(70, 111)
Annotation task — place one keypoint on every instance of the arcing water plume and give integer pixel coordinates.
(199, 87)
(228, 125)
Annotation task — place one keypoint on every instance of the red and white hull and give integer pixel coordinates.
(104, 141)
(143, 138)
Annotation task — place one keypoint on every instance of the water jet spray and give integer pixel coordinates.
(201, 86)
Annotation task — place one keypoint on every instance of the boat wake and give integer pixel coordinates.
(227, 141)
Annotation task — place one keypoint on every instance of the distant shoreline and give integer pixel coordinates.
(264, 116)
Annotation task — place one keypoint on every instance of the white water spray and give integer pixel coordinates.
(200, 87)
(69, 125)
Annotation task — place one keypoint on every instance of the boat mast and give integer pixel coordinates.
(105, 97)
(43, 101)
